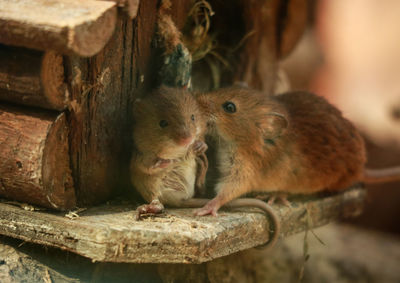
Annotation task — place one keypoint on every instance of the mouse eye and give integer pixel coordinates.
(229, 107)
(192, 117)
(163, 123)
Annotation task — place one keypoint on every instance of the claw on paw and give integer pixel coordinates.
(155, 207)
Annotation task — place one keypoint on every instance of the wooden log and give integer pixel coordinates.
(34, 158)
(174, 237)
(32, 77)
(66, 26)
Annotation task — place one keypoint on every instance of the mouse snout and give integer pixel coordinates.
(184, 139)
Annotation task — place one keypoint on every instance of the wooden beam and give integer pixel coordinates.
(34, 158)
(66, 26)
(32, 77)
(174, 237)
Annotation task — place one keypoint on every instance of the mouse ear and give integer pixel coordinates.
(272, 126)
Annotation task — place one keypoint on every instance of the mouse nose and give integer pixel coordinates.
(184, 140)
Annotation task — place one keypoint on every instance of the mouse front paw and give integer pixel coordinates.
(199, 147)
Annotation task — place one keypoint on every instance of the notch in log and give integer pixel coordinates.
(32, 78)
(66, 26)
(34, 158)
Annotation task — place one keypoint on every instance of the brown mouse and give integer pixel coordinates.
(168, 159)
(294, 143)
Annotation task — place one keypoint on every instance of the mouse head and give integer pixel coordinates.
(244, 116)
(166, 122)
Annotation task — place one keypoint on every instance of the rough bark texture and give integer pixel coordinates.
(176, 237)
(68, 26)
(32, 77)
(34, 158)
(102, 90)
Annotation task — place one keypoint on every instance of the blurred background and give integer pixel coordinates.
(350, 54)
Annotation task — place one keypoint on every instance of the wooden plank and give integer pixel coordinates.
(34, 158)
(111, 233)
(66, 26)
(32, 78)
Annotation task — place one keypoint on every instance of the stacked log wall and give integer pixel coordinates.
(95, 93)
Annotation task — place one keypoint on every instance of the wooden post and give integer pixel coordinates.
(32, 78)
(66, 26)
(34, 158)
(130, 7)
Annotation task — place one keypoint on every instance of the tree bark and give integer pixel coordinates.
(33, 78)
(68, 26)
(34, 160)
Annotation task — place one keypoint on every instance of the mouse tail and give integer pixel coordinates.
(374, 176)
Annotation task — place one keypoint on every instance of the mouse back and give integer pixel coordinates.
(329, 145)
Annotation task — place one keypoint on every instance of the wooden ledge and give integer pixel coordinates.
(66, 26)
(110, 233)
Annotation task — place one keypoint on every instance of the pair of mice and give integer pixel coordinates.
(293, 143)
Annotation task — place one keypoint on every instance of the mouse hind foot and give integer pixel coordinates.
(154, 207)
(273, 197)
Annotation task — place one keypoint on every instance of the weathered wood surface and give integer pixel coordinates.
(34, 158)
(111, 233)
(32, 77)
(66, 26)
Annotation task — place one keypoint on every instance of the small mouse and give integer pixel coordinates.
(293, 143)
(168, 159)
